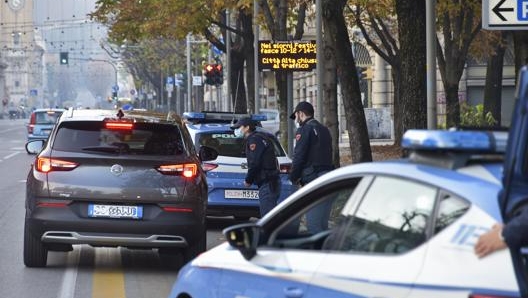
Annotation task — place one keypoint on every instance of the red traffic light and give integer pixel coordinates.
(218, 67)
(209, 67)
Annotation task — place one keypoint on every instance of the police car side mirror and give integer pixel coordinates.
(207, 153)
(244, 237)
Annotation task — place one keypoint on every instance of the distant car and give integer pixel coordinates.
(225, 175)
(272, 123)
(400, 228)
(41, 122)
(114, 178)
(14, 113)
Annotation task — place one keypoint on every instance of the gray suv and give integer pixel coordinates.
(116, 178)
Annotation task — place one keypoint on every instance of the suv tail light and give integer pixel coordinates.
(285, 168)
(32, 121)
(189, 170)
(46, 165)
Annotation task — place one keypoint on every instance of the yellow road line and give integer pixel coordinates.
(108, 280)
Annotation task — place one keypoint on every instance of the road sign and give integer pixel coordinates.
(505, 14)
(197, 81)
(115, 88)
(170, 80)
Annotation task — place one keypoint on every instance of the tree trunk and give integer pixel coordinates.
(330, 116)
(238, 95)
(411, 103)
(347, 74)
(248, 50)
(282, 101)
(493, 87)
(398, 109)
(452, 104)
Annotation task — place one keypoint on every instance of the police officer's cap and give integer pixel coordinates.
(303, 106)
(243, 122)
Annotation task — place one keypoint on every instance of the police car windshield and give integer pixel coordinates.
(228, 145)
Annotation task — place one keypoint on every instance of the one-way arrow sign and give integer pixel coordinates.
(505, 14)
(498, 9)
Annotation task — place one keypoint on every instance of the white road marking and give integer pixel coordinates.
(11, 155)
(69, 279)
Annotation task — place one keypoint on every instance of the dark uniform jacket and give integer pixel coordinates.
(313, 151)
(262, 162)
(515, 232)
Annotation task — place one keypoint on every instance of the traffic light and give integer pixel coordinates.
(362, 73)
(214, 74)
(209, 74)
(114, 96)
(63, 58)
(219, 74)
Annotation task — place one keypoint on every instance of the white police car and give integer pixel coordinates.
(225, 175)
(401, 228)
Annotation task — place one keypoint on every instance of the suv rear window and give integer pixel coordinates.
(227, 144)
(47, 117)
(143, 139)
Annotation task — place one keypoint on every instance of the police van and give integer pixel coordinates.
(228, 196)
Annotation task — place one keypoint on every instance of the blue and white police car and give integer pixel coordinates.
(225, 175)
(400, 228)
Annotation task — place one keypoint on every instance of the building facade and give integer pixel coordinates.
(21, 77)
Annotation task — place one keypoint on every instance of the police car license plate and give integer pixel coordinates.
(115, 211)
(241, 194)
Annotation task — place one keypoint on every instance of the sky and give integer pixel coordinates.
(65, 26)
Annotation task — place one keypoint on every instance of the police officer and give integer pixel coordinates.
(263, 166)
(312, 157)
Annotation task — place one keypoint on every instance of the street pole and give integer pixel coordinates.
(255, 45)
(189, 75)
(228, 62)
(430, 29)
(319, 58)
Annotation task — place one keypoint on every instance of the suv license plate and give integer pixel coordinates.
(115, 211)
(241, 194)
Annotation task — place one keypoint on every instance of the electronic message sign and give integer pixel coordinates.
(297, 55)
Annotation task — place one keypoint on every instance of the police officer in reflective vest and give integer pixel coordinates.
(312, 157)
(263, 166)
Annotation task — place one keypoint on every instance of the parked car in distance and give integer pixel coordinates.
(116, 178)
(272, 122)
(228, 196)
(41, 122)
(398, 228)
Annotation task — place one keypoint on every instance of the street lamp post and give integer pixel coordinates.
(189, 41)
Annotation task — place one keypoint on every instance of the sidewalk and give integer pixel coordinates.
(373, 142)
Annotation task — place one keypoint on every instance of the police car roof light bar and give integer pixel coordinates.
(461, 141)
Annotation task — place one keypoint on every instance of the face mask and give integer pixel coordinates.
(297, 124)
(239, 133)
